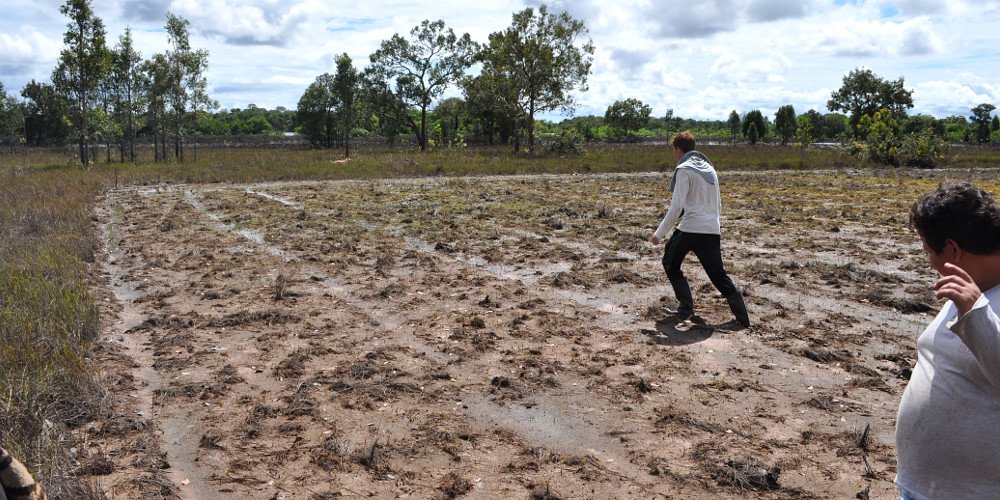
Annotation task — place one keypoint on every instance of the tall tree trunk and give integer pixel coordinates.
(422, 136)
(531, 126)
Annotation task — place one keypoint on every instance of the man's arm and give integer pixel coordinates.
(681, 187)
(977, 325)
(979, 330)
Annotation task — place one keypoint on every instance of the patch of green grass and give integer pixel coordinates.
(48, 320)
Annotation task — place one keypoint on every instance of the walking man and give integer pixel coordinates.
(947, 433)
(695, 208)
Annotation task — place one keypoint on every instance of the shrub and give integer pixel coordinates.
(566, 143)
(922, 149)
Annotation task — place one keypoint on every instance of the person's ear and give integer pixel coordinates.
(954, 251)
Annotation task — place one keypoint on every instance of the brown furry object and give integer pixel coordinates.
(17, 481)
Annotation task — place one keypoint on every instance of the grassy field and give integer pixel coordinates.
(48, 320)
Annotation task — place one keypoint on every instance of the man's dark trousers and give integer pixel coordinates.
(708, 249)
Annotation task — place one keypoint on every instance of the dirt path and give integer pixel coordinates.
(499, 337)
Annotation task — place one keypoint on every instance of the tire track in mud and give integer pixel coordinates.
(178, 444)
(613, 315)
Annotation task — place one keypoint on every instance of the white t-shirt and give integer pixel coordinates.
(948, 427)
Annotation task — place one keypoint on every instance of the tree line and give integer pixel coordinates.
(112, 96)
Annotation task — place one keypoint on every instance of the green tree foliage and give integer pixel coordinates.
(415, 71)
(922, 149)
(539, 55)
(981, 121)
(315, 111)
(921, 123)
(755, 118)
(345, 83)
(44, 109)
(752, 134)
(805, 128)
(187, 89)
(82, 65)
(491, 101)
(156, 85)
(734, 125)
(11, 119)
(885, 143)
(628, 115)
(881, 133)
(956, 128)
(996, 124)
(784, 123)
(450, 114)
(863, 93)
(125, 81)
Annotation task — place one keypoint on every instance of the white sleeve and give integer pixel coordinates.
(979, 329)
(681, 185)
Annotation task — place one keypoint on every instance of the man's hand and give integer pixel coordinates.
(654, 240)
(959, 288)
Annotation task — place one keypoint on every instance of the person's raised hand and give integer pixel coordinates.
(958, 287)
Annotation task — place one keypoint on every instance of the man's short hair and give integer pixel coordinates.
(684, 141)
(963, 213)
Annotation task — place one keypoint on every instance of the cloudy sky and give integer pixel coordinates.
(701, 58)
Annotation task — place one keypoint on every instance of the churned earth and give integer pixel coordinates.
(500, 337)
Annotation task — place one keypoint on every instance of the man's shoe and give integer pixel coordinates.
(680, 311)
(685, 302)
(739, 308)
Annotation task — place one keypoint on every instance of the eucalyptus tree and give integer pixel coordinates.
(126, 78)
(346, 82)
(82, 65)
(155, 85)
(449, 113)
(863, 93)
(755, 119)
(11, 118)
(981, 119)
(417, 70)
(381, 110)
(44, 109)
(315, 111)
(784, 123)
(540, 55)
(734, 125)
(627, 115)
(491, 99)
(187, 89)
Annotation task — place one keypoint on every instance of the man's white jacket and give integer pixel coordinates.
(696, 201)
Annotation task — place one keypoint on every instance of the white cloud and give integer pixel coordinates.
(731, 69)
(701, 59)
(28, 46)
(948, 97)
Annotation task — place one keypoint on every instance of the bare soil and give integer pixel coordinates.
(501, 337)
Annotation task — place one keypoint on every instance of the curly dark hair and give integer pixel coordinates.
(963, 213)
(684, 140)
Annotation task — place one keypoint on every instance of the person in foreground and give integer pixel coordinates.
(696, 204)
(948, 427)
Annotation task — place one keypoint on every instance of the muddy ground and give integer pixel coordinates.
(501, 338)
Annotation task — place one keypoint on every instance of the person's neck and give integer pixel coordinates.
(984, 270)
